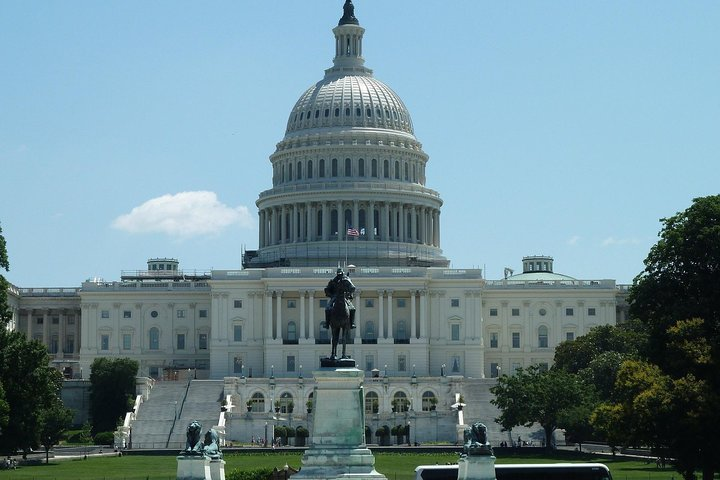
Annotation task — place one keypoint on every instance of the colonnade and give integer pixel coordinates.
(323, 221)
(59, 330)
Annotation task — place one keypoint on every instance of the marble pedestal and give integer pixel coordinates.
(337, 442)
(476, 467)
(194, 467)
(217, 469)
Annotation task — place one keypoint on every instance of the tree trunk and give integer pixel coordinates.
(549, 437)
(708, 473)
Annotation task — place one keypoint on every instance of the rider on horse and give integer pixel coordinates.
(334, 287)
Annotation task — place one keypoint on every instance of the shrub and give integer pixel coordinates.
(254, 474)
(105, 438)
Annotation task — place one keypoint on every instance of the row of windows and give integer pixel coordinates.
(358, 113)
(384, 169)
(70, 320)
(54, 345)
(542, 338)
(154, 340)
(179, 313)
(569, 312)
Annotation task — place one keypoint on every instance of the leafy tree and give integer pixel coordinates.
(535, 396)
(53, 422)
(4, 409)
(112, 387)
(5, 315)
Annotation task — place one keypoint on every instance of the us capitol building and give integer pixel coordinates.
(348, 189)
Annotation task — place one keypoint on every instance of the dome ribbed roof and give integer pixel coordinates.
(349, 101)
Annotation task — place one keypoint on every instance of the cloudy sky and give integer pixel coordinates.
(133, 129)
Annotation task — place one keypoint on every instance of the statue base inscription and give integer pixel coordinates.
(337, 444)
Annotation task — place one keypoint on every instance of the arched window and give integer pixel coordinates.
(154, 338)
(400, 402)
(429, 400)
(321, 168)
(407, 175)
(397, 170)
(372, 402)
(290, 175)
(401, 330)
(348, 167)
(542, 336)
(386, 169)
(373, 172)
(334, 168)
(258, 402)
(286, 403)
(292, 331)
(298, 171)
(309, 169)
(361, 167)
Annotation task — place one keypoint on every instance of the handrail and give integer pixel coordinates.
(178, 414)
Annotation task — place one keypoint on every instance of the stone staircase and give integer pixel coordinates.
(156, 416)
(202, 403)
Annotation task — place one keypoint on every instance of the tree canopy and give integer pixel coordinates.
(535, 396)
(5, 315)
(112, 388)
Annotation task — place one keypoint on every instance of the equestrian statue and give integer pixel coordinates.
(340, 312)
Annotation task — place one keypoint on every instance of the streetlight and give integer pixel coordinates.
(386, 369)
(286, 468)
(265, 439)
(300, 371)
(442, 370)
(272, 371)
(175, 409)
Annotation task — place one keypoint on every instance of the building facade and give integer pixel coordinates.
(348, 189)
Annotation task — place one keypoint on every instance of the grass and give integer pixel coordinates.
(394, 466)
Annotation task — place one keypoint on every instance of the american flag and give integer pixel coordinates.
(353, 232)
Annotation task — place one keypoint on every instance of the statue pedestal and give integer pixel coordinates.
(337, 443)
(194, 467)
(476, 467)
(217, 469)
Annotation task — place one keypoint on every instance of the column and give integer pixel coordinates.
(423, 314)
(311, 301)
(385, 221)
(283, 225)
(261, 230)
(46, 328)
(309, 221)
(381, 326)
(294, 224)
(401, 227)
(370, 221)
(421, 225)
(413, 225)
(436, 229)
(29, 323)
(413, 298)
(268, 315)
(340, 221)
(61, 333)
(356, 215)
(278, 315)
(390, 314)
(302, 314)
(325, 221)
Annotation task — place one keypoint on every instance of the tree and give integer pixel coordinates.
(5, 315)
(31, 386)
(112, 388)
(676, 297)
(53, 421)
(535, 396)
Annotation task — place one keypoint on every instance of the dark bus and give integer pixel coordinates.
(530, 471)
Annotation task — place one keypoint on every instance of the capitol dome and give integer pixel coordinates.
(348, 175)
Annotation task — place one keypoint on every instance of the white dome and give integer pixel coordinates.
(349, 101)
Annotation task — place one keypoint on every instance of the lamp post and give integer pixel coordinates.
(386, 370)
(442, 370)
(175, 410)
(499, 369)
(265, 439)
(286, 468)
(300, 371)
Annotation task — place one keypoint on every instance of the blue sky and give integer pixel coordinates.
(560, 128)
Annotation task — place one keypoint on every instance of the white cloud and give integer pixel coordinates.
(572, 241)
(185, 214)
(612, 241)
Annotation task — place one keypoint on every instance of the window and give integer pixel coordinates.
(515, 339)
(154, 338)
(292, 331)
(370, 330)
(454, 302)
(515, 312)
(180, 341)
(258, 402)
(369, 362)
(127, 314)
(237, 303)
(310, 169)
(348, 167)
(56, 320)
(569, 312)
(543, 336)
(286, 402)
(569, 336)
(493, 312)
(455, 364)
(401, 303)
(71, 320)
(54, 344)
(494, 372)
(361, 167)
(181, 314)
(39, 321)
(238, 365)
(237, 333)
(516, 366)
(369, 303)
(373, 168)
(429, 400)
(127, 341)
(154, 314)
(291, 304)
(104, 342)
(105, 314)
(372, 402)
(203, 341)
(591, 312)
(402, 363)
(290, 363)
(70, 344)
(203, 313)
(455, 332)
(321, 168)
(400, 402)
(542, 312)
(493, 340)
(334, 168)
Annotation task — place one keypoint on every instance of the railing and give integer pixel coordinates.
(49, 292)
(386, 187)
(551, 283)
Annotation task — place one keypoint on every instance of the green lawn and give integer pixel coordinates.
(393, 466)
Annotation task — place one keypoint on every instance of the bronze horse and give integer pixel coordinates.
(339, 317)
